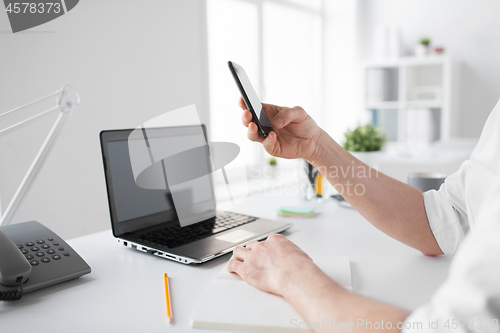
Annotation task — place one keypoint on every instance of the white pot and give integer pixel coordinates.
(371, 158)
(422, 50)
(270, 171)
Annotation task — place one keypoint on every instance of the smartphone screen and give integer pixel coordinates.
(250, 98)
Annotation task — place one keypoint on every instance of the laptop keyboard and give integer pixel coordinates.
(173, 236)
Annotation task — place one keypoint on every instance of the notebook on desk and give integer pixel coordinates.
(232, 304)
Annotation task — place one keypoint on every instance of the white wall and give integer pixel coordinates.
(342, 90)
(470, 32)
(130, 60)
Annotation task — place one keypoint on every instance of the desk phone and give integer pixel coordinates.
(32, 257)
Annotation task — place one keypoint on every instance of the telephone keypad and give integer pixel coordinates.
(38, 253)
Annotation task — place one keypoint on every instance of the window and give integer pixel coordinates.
(279, 43)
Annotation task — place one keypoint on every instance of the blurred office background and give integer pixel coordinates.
(345, 62)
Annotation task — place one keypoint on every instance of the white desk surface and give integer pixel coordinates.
(125, 291)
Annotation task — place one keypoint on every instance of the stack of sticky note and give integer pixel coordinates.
(296, 211)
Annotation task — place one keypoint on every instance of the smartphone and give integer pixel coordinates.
(250, 98)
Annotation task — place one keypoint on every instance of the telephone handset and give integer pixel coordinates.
(32, 257)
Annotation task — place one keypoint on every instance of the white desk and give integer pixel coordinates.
(125, 291)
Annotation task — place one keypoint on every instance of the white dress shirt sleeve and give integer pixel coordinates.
(469, 300)
(446, 210)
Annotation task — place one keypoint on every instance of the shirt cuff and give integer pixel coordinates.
(444, 221)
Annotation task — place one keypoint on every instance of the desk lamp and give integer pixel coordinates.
(67, 99)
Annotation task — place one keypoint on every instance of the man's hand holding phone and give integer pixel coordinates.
(284, 132)
(294, 135)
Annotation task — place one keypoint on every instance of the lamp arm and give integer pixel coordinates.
(57, 92)
(65, 104)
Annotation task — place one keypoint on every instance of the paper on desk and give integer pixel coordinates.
(231, 304)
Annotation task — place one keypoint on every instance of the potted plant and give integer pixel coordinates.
(273, 163)
(423, 47)
(365, 142)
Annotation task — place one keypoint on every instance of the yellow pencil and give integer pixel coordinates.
(170, 317)
(319, 185)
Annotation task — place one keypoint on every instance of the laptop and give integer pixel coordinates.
(146, 218)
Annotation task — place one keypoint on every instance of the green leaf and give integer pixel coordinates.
(364, 138)
(425, 41)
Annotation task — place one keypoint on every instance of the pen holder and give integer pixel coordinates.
(310, 182)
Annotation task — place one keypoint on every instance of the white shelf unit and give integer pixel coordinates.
(424, 85)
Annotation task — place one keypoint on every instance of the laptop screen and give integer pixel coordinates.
(135, 206)
(130, 200)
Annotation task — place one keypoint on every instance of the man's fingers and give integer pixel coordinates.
(246, 118)
(271, 110)
(242, 104)
(270, 143)
(234, 266)
(288, 115)
(251, 244)
(240, 253)
(277, 237)
(253, 133)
